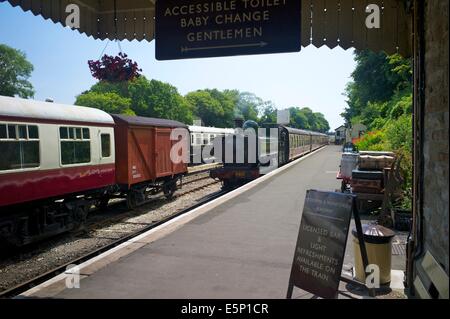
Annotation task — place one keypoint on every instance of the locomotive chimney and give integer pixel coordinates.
(238, 122)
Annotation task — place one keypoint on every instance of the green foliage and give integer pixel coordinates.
(302, 118)
(399, 133)
(269, 114)
(380, 97)
(154, 98)
(15, 71)
(248, 106)
(141, 97)
(299, 119)
(108, 102)
(206, 107)
(373, 141)
(379, 83)
(158, 99)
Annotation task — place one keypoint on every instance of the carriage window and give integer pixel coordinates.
(22, 131)
(3, 131)
(198, 139)
(75, 146)
(78, 134)
(33, 132)
(20, 150)
(12, 131)
(106, 145)
(86, 134)
(63, 133)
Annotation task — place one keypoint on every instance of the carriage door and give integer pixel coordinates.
(283, 148)
(105, 140)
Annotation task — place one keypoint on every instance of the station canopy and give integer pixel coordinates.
(324, 22)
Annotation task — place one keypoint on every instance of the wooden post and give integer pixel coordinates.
(362, 245)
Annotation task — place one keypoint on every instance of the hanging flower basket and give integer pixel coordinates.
(114, 69)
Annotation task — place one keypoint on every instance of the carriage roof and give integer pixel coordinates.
(18, 108)
(207, 129)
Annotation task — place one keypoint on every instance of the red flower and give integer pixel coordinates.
(114, 69)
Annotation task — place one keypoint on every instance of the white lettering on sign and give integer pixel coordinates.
(224, 34)
(201, 28)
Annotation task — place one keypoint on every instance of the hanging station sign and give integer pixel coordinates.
(207, 28)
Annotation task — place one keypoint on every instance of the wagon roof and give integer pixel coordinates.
(45, 111)
(147, 121)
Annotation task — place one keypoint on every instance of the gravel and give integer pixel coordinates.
(102, 228)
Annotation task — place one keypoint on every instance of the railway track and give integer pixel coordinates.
(99, 225)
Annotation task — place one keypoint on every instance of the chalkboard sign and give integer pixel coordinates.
(204, 28)
(320, 249)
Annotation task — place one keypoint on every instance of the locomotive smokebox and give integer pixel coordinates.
(238, 122)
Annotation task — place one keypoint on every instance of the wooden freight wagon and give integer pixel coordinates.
(143, 163)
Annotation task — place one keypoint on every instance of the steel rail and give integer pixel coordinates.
(18, 289)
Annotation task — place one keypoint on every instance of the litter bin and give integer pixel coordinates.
(378, 241)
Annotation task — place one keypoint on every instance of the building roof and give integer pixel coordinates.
(32, 109)
(342, 126)
(147, 121)
(332, 23)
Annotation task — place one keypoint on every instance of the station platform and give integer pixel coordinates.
(240, 246)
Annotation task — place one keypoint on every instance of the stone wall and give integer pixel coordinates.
(436, 138)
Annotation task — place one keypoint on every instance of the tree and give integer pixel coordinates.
(248, 106)
(206, 107)
(377, 80)
(158, 99)
(299, 119)
(142, 97)
(15, 71)
(269, 114)
(109, 102)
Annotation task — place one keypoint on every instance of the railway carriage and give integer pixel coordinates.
(59, 160)
(201, 137)
(298, 142)
(54, 158)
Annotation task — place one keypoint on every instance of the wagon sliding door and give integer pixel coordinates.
(163, 144)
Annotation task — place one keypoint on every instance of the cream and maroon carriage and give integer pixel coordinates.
(54, 161)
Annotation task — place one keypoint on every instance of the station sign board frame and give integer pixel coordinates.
(321, 243)
(212, 28)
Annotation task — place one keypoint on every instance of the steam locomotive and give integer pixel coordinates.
(254, 151)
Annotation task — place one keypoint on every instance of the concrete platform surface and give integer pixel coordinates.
(242, 248)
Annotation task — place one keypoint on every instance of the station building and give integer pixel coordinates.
(413, 28)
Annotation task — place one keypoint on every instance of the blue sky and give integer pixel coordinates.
(314, 77)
